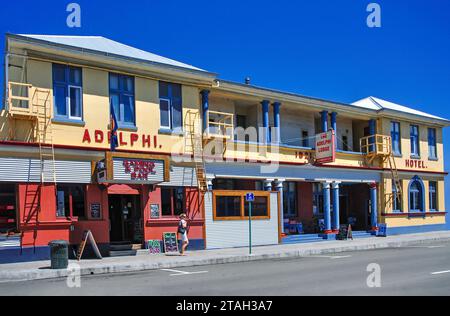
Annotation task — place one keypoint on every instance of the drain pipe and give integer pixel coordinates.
(6, 77)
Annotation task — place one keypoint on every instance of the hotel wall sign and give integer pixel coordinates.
(125, 139)
(415, 164)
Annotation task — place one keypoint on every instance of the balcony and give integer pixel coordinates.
(376, 146)
(219, 125)
(27, 102)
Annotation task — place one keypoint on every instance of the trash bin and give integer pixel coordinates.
(59, 254)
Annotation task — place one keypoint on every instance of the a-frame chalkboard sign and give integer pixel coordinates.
(170, 243)
(88, 236)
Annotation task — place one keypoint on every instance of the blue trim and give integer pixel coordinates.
(277, 120)
(374, 202)
(12, 255)
(415, 229)
(336, 213)
(327, 206)
(418, 180)
(349, 152)
(170, 132)
(64, 120)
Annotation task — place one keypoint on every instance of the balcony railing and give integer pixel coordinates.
(20, 99)
(220, 125)
(376, 145)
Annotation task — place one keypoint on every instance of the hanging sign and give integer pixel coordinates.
(326, 147)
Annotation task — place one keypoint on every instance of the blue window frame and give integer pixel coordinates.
(396, 200)
(416, 196)
(171, 106)
(67, 92)
(396, 138)
(121, 93)
(432, 149)
(433, 195)
(414, 136)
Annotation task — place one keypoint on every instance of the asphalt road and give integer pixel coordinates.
(419, 270)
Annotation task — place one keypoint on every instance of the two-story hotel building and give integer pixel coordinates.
(192, 143)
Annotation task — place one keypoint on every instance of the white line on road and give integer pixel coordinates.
(331, 257)
(179, 273)
(440, 272)
(426, 247)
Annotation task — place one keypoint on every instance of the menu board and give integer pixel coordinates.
(345, 232)
(154, 211)
(96, 210)
(170, 243)
(154, 247)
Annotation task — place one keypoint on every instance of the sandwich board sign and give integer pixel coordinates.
(87, 236)
(170, 243)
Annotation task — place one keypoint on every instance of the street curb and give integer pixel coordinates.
(41, 274)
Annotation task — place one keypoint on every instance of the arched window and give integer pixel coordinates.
(416, 197)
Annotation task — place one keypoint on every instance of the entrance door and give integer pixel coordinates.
(125, 217)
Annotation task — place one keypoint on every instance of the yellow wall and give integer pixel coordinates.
(430, 165)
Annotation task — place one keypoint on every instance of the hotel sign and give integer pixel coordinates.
(326, 147)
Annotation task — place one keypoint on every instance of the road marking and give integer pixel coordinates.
(179, 273)
(440, 272)
(426, 247)
(331, 257)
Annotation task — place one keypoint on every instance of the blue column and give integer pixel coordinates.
(334, 127)
(205, 108)
(372, 132)
(265, 111)
(374, 204)
(279, 187)
(336, 218)
(327, 208)
(277, 122)
(324, 116)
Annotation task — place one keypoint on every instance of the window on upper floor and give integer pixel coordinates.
(121, 93)
(396, 138)
(67, 92)
(433, 195)
(432, 149)
(171, 105)
(414, 136)
(173, 201)
(305, 139)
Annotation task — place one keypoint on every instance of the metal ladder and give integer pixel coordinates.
(195, 147)
(395, 176)
(44, 135)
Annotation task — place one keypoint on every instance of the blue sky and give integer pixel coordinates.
(319, 48)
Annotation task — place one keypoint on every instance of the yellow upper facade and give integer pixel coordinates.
(89, 81)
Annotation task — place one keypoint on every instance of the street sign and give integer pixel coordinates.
(250, 197)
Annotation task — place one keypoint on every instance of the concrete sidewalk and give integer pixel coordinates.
(40, 270)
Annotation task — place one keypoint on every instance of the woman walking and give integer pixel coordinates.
(182, 231)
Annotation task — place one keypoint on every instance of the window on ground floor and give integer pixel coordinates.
(433, 195)
(7, 207)
(396, 199)
(173, 201)
(289, 199)
(70, 200)
(232, 205)
(317, 199)
(416, 196)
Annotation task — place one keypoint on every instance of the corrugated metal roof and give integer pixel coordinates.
(105, 45)
(377, 104)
